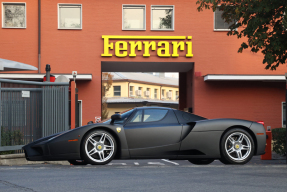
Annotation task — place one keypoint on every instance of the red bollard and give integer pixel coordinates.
(268, 153)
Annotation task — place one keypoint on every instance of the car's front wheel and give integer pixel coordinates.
(201, 161)
(98, 147)
(237, 147)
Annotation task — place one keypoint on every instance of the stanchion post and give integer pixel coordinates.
(48, 69)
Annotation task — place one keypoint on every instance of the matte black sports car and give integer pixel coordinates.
(152, 133)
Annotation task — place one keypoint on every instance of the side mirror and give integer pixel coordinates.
(116, 116)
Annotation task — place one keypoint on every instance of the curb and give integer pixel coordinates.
(19, 159)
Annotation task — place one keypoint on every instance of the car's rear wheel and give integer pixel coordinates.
(237, 147)
(201, 161)
(77, 162)
(98, 147)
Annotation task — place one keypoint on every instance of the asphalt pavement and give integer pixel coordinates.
(147, 175)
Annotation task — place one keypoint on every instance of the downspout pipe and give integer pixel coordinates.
(39, 36)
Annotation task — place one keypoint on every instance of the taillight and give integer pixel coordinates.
(261, 122)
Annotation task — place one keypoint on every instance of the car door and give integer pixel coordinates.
(153, 133)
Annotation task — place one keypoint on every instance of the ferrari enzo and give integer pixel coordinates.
(153, 133)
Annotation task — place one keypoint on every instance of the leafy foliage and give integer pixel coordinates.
(165, 22)
(10, 138)
(261, 21)
(107, 81)
(279, 141)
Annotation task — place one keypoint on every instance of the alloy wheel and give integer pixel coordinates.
(99, 147)
(238, 146)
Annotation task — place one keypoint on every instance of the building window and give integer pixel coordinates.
(162, 17)
(147, 93)
(13, 15)
(162, 93)
(219, 23)
(284, 114)
(176, 95)
(169, 94)
(117, 90)
(133, 17)
(155, 93)
(70, 16)
(131, 91)
(139, 92)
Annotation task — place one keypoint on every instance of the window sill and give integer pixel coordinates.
(69, 29)
(162, 29)
(14, 27)
(222, 30)
(133, 29)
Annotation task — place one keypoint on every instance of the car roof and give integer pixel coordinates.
(153, 107)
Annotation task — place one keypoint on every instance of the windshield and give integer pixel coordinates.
(125, 115)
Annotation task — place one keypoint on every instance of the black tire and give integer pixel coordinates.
(223, 161)
(201, 161)
(96, 151)
(237, 147)
(77, 162)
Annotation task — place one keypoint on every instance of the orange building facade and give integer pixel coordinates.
(215, 80)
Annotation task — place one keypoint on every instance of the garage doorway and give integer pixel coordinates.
(128, 91)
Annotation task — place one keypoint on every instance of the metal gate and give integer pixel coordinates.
(31, 110)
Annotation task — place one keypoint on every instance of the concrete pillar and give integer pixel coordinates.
(182, 90)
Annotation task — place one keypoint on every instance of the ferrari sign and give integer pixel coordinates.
(128, 46)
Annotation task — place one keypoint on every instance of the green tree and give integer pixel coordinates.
(107, 81)
(165, 22)
(262, 22)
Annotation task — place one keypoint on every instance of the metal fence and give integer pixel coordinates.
(31, 110)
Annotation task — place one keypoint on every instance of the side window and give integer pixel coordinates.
(70, 16)
(162, 17)
(14, 15)
(138, 117)
(219, 23)
(125, 116)
(117, 90)
(133, 17)
(154, 115)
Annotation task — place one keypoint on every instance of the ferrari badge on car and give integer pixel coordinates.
(119, 129)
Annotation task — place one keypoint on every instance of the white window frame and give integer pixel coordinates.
(131, 91)
(134, 5)
(172, 21)
(117, 91)
(282, 108)
(3, 12)
(155, 93)
(214, 25)
(70, 4)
